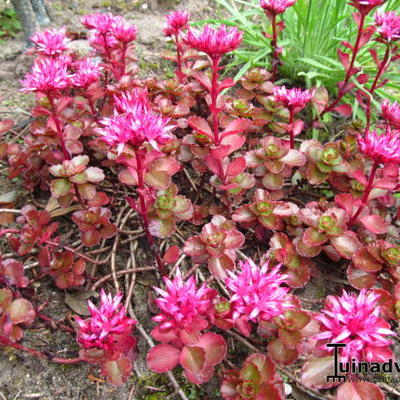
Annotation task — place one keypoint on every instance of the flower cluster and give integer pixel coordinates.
(365, 6)
(275, 7)
(258, 294)
(294, 99)
(388, 25)
(51, 42)
(138, 124)
(183, 306)
(107, 322)
(176, 22)
(47, 75)
(381, 148)
(87, 72)
(391, 113)
(215, 42)
(354, 321)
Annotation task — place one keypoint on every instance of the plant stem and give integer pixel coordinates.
(144, 211)
(367, 191)
(291, 133)
(214, 99)
(59, 130)
(343, 87)
(180, 75)
(382, 66)
(275, 52)
(5, 342)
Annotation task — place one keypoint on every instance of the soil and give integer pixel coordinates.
(25, 377)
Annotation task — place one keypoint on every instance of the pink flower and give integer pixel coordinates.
(107, 323)
(47, 74)
(127, 101)
(384, 148)
(365, 6)
(122, 31)
(176, 21)
(391, 113)
(295, 99)
(99, 22)
(388, 25)
(137, 125)
(275, 7)
(183, 305)
(354, 320)
(86, 73)
(50, 42)
(258, 294)
(215, 42)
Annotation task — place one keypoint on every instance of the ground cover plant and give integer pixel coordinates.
(235, 208)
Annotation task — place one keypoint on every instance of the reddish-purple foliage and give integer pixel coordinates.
(217, 169)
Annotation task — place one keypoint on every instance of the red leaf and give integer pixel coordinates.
(203, 79)
(162, 358)
(360, 279)
(192, 358)
(214, 346)
(366, 35)
(359, 391)
(375, 224)
(236, 126)
(6, 125)
(280, 353)
(344, 109)
(315, 371)
(363, 78)
(226, 83)
(344, 59)
(236, 167)
(171, 255)
(201, 125)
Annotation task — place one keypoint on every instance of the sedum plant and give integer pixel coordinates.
(217, 188)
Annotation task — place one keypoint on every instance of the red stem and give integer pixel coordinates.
(342, 90)
(367, 191)
(381, 69)
(144, 211)
(179, 72)
(60, 134)
(5, 342)
(291, 133)
(275, 53)
(214, 99)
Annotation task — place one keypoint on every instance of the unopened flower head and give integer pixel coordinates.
(51, 42)
(295, 99)
(275, 7)
(391, 113)
(182, 304)
(258, 293)
(136, 125)
(388, 25)
(86, 73)
(176, 21)
(383, 148)
(107, 320)
(354, 320)
(365, 6)
(215, 42)
(47, 74)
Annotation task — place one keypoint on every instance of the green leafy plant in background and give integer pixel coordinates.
(314, 32)
(9, 24)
